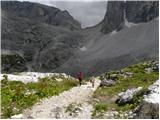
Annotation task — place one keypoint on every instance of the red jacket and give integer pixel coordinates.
(80, 75)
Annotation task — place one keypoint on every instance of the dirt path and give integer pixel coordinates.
(69, 104)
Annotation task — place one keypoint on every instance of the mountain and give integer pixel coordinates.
(118, 12)
(31, 45)
(41, 13)
(127, 34)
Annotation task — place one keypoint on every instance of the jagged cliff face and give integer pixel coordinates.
(132, 11)
(114, 16)
(41, 13)
(141, 11)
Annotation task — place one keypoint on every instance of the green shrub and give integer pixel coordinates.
(99, 108)
(19, 96)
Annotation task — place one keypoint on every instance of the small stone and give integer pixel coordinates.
(19, 116)
(116, 113)
(148, 70)
(130, 112)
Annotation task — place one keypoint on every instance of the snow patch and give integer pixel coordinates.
(157, 18)
(83, 48)
(13, 52)
(26, 77)
(113, 32)
(129, 24)
(22, 78)
(126, 23)
(152, 98)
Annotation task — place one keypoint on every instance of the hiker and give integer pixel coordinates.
(80, 77)
(92, 80)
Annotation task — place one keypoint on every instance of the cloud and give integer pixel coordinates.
(87, 12)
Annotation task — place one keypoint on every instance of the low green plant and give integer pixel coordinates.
(17, 96)
(106, 95)
(99, 108)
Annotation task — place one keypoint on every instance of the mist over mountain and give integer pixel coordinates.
(40, 38)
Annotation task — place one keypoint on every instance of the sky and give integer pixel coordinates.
(87, 12)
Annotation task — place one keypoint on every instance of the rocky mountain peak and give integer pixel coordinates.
(131, 11)
(41, 13)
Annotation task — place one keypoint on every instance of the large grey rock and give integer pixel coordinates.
(155, 66)
(149, 109)
(107, 82)
(127, 96)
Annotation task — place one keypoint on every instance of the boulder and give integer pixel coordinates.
(149, 109)
(155, 66)
(113, 76)
(107, 82)
(126, 74)
(127, 96)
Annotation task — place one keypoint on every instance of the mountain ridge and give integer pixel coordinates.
(49, 48)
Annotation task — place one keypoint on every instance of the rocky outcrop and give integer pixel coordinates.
(114, 16)
(40, 13)
(154, 66)
(149, 109)
(127, 96)
(119, 12)
(141, 11)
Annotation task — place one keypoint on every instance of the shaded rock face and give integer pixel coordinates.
(141, 11)
(44, 47)
(41, 13)
(132, 11)
(114, 16)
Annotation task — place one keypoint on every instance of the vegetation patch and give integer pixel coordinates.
(73, 107)
(17, 96)
(99, 109)
(108, 95)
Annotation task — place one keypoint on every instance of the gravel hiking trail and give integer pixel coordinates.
(74, 103)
